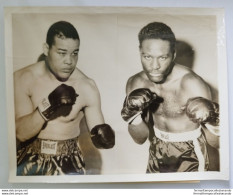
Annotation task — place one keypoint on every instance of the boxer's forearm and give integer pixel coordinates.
(29, 126)
(134, 105)
(139, 131)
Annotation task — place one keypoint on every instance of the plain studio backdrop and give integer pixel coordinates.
(109, 54)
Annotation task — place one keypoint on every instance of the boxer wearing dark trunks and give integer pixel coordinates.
(171, 105)
(51, 98)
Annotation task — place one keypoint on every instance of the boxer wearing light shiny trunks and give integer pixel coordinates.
(171, 105)
(51, 98)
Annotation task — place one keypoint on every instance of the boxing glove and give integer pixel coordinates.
(58, 103)
(201, 110)
(136, 102)
(102, 136)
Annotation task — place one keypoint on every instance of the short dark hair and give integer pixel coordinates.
(61, 29)
(157, 30)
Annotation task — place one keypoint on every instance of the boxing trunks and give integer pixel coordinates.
(50, 157)
(178, 152)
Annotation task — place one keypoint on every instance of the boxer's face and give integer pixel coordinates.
(156, 58)
(63, 57)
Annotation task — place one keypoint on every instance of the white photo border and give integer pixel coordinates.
(223, 174)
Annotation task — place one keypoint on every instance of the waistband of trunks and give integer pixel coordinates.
(54, 147)
(178, 137)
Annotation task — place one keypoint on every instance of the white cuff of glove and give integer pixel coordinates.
(43, 106)
(213, 129)
(136, 119)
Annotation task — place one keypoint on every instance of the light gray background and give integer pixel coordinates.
(227, 4)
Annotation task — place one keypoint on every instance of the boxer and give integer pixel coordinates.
(170, 105)
(51, 98)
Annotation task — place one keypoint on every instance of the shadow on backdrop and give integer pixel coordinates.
(185, 55)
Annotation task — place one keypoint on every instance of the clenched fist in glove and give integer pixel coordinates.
(102, 136)
(136, 102)
(201, 110)
(59, 102)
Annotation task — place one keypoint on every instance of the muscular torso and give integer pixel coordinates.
(170, 116)
(62, 127)
(39, 85)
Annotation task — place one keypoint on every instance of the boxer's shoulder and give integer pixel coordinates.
(192, 81)
(83, 85)
(138, 80)
(30, 72)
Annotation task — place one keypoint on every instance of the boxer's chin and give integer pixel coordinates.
(159, 78)
(64, 76)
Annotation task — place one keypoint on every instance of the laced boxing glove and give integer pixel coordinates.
(136, 102)
(59, 102)
(102, 136)
(203, 111)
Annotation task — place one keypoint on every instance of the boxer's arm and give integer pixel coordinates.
(194, 86)
(93, 112)
(28, 121)
(201, 90)
(102, 135)
(138, 129)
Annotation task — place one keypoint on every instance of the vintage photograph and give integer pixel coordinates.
(104, 94)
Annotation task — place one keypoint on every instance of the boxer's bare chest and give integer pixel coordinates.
(172, 103)
(171, 106)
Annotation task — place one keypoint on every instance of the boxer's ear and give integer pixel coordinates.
(45, 49)
(174, 55)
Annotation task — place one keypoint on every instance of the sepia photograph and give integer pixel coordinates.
(116, 94)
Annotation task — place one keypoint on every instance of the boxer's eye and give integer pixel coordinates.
(147, 57)
(163, 58)
(75, 53)
(62, 53)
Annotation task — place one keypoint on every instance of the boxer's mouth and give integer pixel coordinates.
(155, 74)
